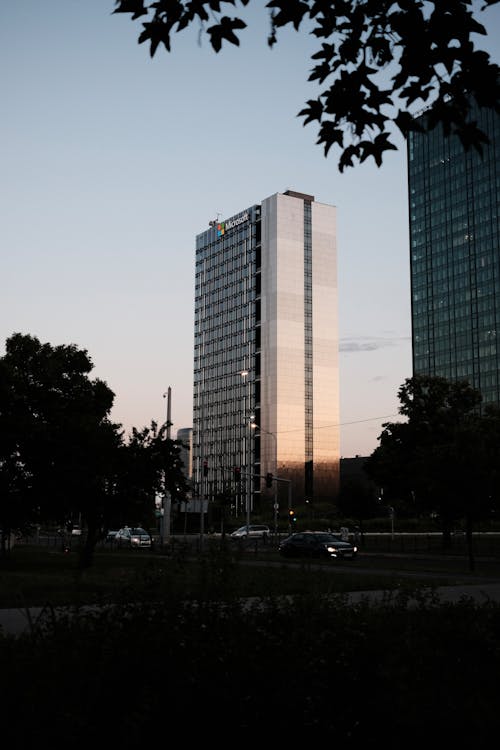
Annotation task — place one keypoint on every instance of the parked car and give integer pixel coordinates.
(255, 531)
(317, 544)
(76, 530)
(132, 537)
(111, 536)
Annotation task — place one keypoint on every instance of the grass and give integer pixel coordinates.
(309, 664)
(36, 576)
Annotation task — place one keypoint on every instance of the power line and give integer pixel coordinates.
(343, 424)
(370, 419)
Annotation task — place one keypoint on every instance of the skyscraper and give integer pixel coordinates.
(266, 355)
(454, 208)
(185, 436)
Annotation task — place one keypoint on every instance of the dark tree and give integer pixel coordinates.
(60, 455)
(357, 499)
(445, 456)
(378, 62)
(149, 464)
(58, 444)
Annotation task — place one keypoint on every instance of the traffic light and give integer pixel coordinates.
(291, 516)
(205, 468)
(269, 479)
(237, 474)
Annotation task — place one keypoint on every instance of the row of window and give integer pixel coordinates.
(483, 296)
(458, 267)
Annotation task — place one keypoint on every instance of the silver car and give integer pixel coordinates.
(132, 537)
(251, 532)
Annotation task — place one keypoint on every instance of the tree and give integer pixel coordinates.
(60, 455)
(379, 62)
(445, 456)
(357, 500)
(149, 465)
(57, 443)
(358, 497)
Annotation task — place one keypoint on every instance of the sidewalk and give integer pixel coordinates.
(18, 621)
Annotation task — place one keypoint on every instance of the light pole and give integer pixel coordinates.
(167, 501)
(246, 445)
(202, 467)
(275, 469)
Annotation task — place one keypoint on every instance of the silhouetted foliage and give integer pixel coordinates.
(358, 498)
(381, 61)
(57, 440)
(148, 464)
(444, 458)
(61, 457)
(367, 676)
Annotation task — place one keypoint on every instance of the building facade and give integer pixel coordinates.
(266, 355)
(185, 436)
(454, 207)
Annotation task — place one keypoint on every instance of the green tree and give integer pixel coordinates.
(445, 456)
(378, 62)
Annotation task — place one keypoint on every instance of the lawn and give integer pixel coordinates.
(368, 676)
(36, 575)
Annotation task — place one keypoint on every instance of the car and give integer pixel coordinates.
(111, 536)
(317, 544)
(255, 531)
(76, 530)
(133, 537)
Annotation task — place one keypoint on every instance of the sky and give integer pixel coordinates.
(112, 162)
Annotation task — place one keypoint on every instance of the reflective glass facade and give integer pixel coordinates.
(454, 203)
(266, 353)
(185, 435)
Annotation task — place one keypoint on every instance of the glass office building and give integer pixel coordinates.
(185, 436)
(266, 355)
(454, 202)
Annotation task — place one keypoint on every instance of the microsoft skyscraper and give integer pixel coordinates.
(266, 402)
(454, 207)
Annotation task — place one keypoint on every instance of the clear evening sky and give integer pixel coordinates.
(112, 162)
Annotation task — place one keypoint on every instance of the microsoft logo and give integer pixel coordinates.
(222, 226)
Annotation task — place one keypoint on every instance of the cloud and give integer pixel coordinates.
(370, 343)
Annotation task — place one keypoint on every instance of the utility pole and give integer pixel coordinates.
(246, 447)
(167, 500)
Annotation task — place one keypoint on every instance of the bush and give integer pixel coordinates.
(366, 675)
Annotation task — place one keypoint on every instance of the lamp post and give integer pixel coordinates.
(275, 467)
(167, 501)
(202, 469)
(246, 446)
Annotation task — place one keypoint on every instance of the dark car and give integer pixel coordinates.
(317, 544)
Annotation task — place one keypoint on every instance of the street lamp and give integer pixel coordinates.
(275, 467)
(167, 501)
(246, 446)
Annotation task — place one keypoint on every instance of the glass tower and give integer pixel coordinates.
(454, 201)
(266, 355)
(185, 435)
